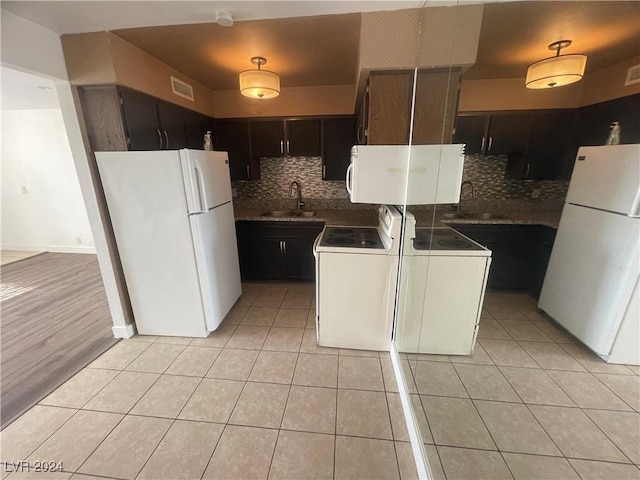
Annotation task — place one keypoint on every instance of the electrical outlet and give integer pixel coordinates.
(79, 240)
(535, 193)
(24, 190)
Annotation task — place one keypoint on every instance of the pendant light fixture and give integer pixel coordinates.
(259, 83)
(556, 71)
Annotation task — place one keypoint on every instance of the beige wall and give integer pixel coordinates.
(608, 83)
(103, 58)
(327, 100)
(511, 94)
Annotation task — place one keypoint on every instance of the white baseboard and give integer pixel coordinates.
(126, 331)
(51, 248)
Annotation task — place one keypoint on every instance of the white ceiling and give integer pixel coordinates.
(23, 91)
(93, 16)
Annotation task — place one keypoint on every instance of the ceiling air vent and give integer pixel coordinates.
(181, 89)
(633, 75)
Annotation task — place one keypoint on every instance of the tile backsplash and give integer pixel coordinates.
(486, 173)
(276, 174)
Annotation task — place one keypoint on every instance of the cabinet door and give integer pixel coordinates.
(260, 258)
(389, 108)
(195, 126)
(471, 130)
(338, 137)
(508, 134)
(550, 152)
(299, 262)
(593, 121)
(172, 125)
(232, 136)
(435, 106)
(510, 246)
(141, 119)
(267, 138)
(303, 138)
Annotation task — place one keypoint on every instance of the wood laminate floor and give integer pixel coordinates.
(55, 320)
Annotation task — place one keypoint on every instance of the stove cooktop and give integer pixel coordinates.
(442, 239)
(351, 237)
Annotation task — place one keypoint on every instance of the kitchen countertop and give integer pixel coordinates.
(368, 217)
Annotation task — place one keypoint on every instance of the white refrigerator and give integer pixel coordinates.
(173, 221)
(591, 284)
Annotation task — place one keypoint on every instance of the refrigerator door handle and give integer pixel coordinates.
(202, 193)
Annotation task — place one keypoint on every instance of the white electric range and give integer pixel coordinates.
(356, 278)
(442, 286)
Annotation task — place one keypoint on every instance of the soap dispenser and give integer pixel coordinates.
(614, 134)
(208, 144)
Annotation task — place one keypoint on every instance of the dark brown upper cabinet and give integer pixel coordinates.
(493, 134)
(232, 136)
(302, 137)
(338, 137)
(267, 138)
(290, 137)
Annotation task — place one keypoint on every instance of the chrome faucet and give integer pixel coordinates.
(473, 193)
(299, 202)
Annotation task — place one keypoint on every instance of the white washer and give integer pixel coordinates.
(356, 278)
(443, 281)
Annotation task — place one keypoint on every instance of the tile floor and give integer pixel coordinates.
(257, 399)
(531, 402)
(10, 256)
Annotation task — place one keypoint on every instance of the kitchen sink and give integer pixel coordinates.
(475, 216)
(288, 213)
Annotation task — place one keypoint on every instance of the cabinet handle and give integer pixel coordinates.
(482, 145)
(358, 134)
(288, 149)
(284, 247)
(324, 171)
(167, 137)
(526, 174)
(490, 143)
(159, 137)
(248, 172)
(281, 147)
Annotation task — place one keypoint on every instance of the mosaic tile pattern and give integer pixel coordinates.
(487, 175)
(486, 172)
(276, 174)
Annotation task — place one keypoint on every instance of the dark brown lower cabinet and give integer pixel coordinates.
(277, 250)
(519, 254)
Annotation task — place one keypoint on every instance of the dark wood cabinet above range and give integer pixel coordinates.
(385, 113)
(120, 118)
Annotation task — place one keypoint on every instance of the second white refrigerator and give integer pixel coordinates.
(172, 217)
(592, 281)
